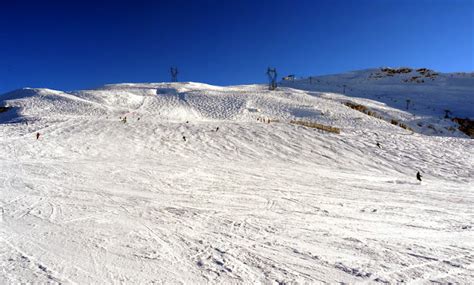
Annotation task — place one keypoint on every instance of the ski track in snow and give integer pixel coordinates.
(95, 200)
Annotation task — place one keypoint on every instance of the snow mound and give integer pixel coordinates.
(420, 107)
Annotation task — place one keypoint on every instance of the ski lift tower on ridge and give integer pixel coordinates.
(272, 76)
(174, 74)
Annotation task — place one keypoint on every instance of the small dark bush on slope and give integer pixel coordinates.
(466, 126)
(4, 109)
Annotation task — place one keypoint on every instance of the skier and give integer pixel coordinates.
(418, 176)
(184, 138)
(378, 144)
(217, 129)
(37, 135)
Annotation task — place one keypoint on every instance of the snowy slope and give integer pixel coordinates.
(430, 94)
(96, 200)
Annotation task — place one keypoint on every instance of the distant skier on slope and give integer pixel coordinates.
(378, 145)
(418, 176)
(184, 138)
(37, 136)
(217, 129)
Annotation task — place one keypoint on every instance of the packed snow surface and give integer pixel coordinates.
(197, 187)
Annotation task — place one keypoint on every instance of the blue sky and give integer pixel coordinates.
(83, 44)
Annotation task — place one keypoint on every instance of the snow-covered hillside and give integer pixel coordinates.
(429, 93)
(206, 184)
